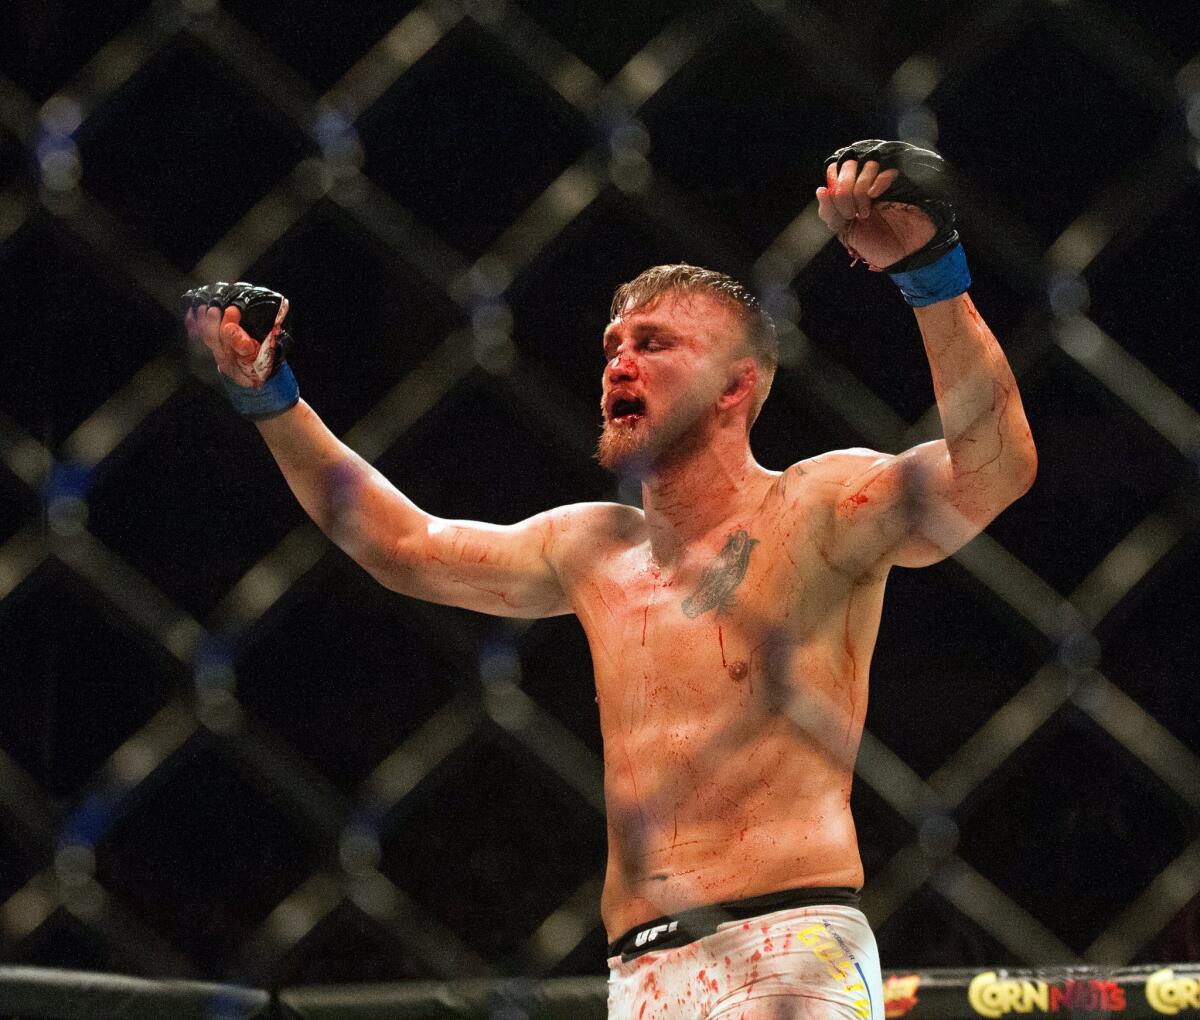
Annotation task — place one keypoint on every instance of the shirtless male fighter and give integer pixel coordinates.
(732, 619)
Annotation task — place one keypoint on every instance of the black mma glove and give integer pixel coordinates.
(262, 314)
(938, 270)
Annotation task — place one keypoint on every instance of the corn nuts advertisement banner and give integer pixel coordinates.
(1153, 991)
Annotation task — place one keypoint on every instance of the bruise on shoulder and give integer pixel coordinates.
(874, 485)
(875, 508)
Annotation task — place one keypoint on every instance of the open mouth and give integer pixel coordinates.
(626, 410)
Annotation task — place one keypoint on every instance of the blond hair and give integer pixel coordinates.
(680, 278)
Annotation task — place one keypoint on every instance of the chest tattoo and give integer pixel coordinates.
(720, 578)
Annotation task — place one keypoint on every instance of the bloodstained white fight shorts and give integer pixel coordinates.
(816, 962)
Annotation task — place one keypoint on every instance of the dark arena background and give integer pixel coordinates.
(227, 755)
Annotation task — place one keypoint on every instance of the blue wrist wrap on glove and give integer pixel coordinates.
(939, 281)
(275, 396)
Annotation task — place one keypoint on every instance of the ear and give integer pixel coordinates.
(743, 376)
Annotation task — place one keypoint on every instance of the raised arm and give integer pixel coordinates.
(505, 570)
(502, 570)
(922, 505)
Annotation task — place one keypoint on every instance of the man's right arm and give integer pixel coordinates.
(505, 570)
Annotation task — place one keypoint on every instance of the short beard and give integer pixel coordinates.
(639, 451)
(621, 450)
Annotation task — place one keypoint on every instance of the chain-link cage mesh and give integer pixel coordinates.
(226, 753)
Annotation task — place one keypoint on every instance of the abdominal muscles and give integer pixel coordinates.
(724, 783)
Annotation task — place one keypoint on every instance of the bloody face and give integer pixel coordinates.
(666, 364)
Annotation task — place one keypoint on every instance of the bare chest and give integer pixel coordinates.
(721, 699)
(710, 632)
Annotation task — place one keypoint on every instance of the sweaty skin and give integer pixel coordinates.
(731, 619)
(729, 733)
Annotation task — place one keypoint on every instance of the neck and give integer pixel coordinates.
(686, 500)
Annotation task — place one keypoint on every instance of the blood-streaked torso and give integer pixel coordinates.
(732, 687)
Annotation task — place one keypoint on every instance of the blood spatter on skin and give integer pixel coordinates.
(755, 956)
(853, 502)
(848, 645)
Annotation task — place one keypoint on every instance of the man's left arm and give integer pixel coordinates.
(888, 203)
(921, 506)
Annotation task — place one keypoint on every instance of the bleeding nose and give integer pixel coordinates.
(622, 367)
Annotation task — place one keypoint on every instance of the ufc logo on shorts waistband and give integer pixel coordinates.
(650, 934)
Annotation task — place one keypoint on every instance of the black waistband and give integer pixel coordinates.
(689, 925)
